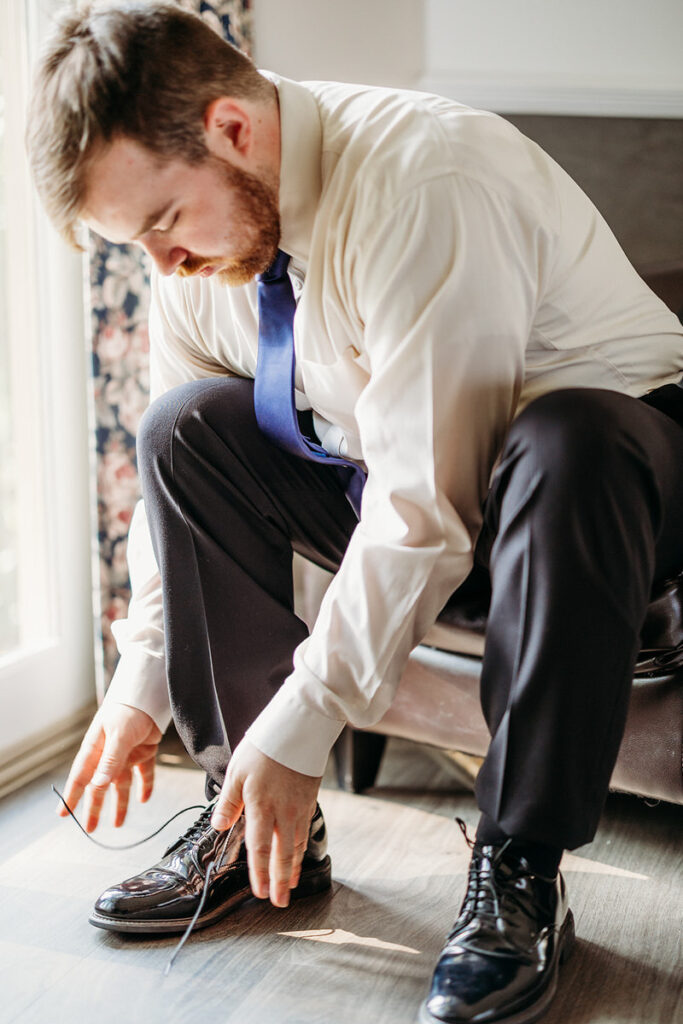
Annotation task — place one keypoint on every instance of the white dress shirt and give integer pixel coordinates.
(448, 272)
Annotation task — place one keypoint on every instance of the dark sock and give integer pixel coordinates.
(543, 859)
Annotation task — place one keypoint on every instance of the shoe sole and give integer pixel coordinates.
(530, 1013)
(316, 880)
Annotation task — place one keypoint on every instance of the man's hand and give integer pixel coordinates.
(119, 739)
(278, 807)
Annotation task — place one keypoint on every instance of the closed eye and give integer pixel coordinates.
(167, 227)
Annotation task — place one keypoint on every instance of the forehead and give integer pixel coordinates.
(125, 183)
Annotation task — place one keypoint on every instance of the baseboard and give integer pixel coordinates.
(45, 750)
(551, 94)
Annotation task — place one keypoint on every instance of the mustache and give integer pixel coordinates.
(231, 272)
(195, 264)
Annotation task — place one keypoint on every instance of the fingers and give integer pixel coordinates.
(278, 803)
(82, 769)
(259, 826)
(275, 850)
(122, 786)
(143, 760)
(286, 854)
(119, 738)
(94, 798)
(110, 765)
(229, 804)
(299, 851)
(144, 769)
(114, 766)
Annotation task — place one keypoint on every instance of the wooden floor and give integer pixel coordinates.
(361, 955)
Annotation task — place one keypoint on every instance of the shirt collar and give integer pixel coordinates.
(300, 171)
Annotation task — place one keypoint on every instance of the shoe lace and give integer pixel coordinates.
(214, 865)
(194, 832)
(138, 842)
(487, 887)
(198, 828)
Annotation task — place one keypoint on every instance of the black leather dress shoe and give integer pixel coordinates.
(166, 896)
(501, 960)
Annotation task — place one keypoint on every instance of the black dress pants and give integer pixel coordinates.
(583, 515)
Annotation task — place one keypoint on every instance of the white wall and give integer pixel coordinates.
(634, 42)
(551, 56)
(610, 57)
(379, 42)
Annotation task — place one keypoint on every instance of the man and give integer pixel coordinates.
(470, 335)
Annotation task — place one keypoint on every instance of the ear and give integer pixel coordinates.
(228, 129)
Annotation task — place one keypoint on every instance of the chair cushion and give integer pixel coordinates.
(461, 626)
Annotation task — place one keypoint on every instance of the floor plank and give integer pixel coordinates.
(363, 953)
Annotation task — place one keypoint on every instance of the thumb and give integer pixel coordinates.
(228, 806)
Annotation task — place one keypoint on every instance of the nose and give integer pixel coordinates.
(167, 258)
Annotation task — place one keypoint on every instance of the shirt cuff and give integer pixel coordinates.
(294, 734)
(140, 682)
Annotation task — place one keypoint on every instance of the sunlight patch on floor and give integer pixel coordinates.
(584, 866)
(338, 937)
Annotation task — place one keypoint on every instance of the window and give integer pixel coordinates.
(9, 626)
(46, 684)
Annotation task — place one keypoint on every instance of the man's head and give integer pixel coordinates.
(150, 128)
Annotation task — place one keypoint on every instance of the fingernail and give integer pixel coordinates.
(219, 822)
(282, 898)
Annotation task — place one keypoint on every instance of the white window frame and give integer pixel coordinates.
(47, 686)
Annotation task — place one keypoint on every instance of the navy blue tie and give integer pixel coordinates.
(274, 385)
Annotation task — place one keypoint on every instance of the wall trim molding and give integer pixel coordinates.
(45, 750)
(539, 95)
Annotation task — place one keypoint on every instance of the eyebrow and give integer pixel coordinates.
(153, 219)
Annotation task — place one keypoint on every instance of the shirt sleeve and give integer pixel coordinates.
(140, 676)
(447, 289)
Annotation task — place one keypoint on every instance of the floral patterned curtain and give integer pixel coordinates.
(118, 306)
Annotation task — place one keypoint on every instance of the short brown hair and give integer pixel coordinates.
(135, 68)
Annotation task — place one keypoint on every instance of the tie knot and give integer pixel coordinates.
(277, 270)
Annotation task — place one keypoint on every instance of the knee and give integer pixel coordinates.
(155, 431)
(189, 411)
(571, 434)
